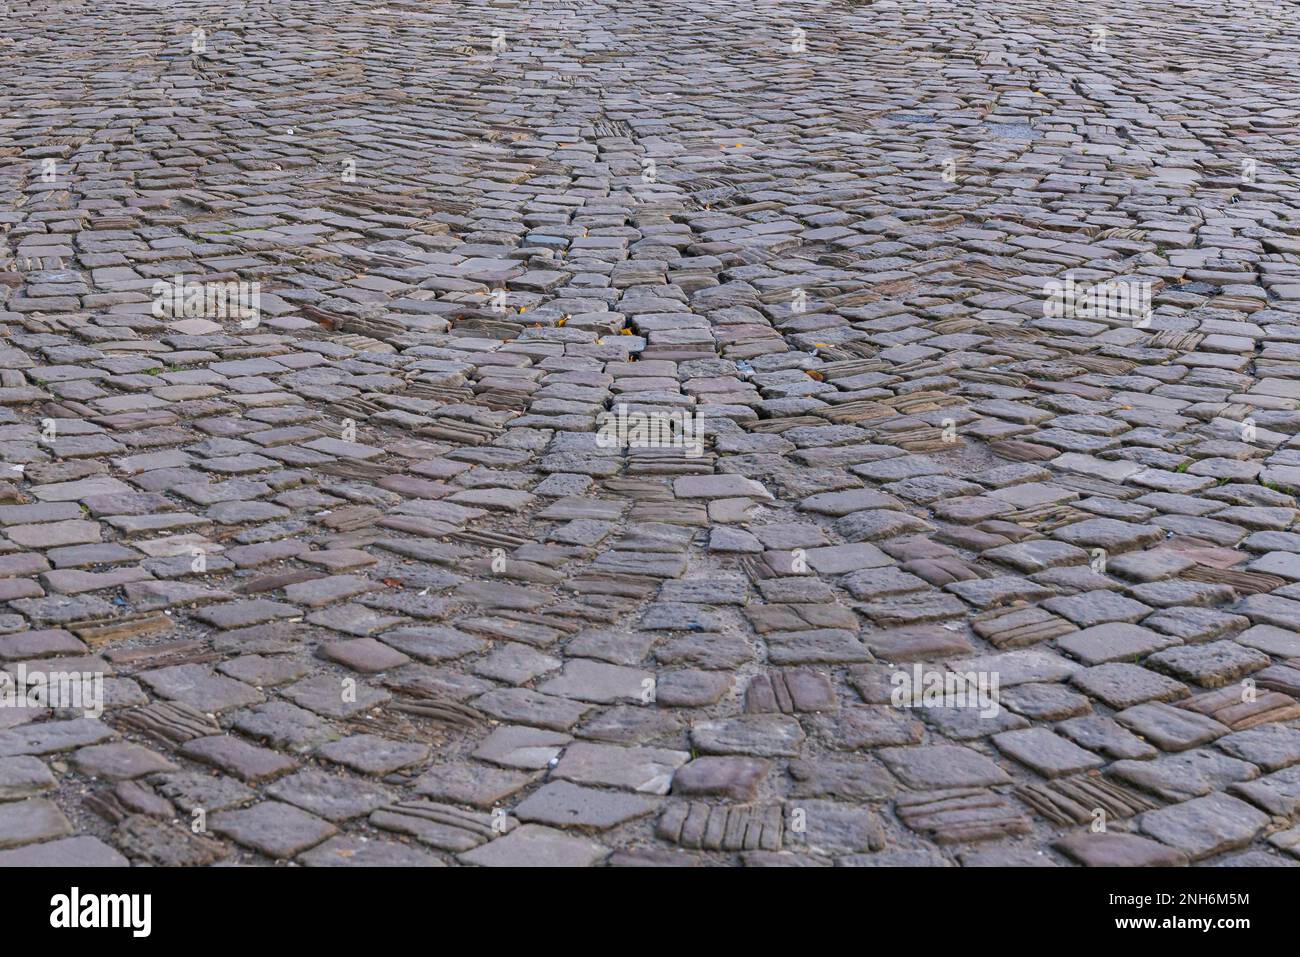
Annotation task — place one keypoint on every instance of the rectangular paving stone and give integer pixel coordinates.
(277, 830)
(35, 819)
(1049, 754)
(80, 851)
(245, 761)
(1204, 826)
(533, 845)
(942, 766)
(1101, 644)
(1170, 728)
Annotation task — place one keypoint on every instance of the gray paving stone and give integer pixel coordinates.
(332, 797)
(1277, 793)
(1170, 728)
(119, 761)
(1120, 685)
(756, 735)
(644, 770)
(22, 777)
(536, 846)
(1106, 737)
(1102, 644)
(1211, 665)
(35, 819)
(52, 737)
(373, 754)
(1205, 826)
(277, 830)
(80, 851)
(1119, 850)
(1271, 746)
(466, 782)
(521, 747)
(561, 804)
(942, 766)
(198, 687)
(245, 761)
(1047, 753)
(1178, 777)
(347, 850)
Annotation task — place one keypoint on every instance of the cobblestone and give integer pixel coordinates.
(715, 433)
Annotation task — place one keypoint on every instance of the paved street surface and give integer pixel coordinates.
(981, 560)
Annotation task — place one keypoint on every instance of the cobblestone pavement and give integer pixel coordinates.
(367, 578)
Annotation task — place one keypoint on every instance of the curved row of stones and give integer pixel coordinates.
(364, 584)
